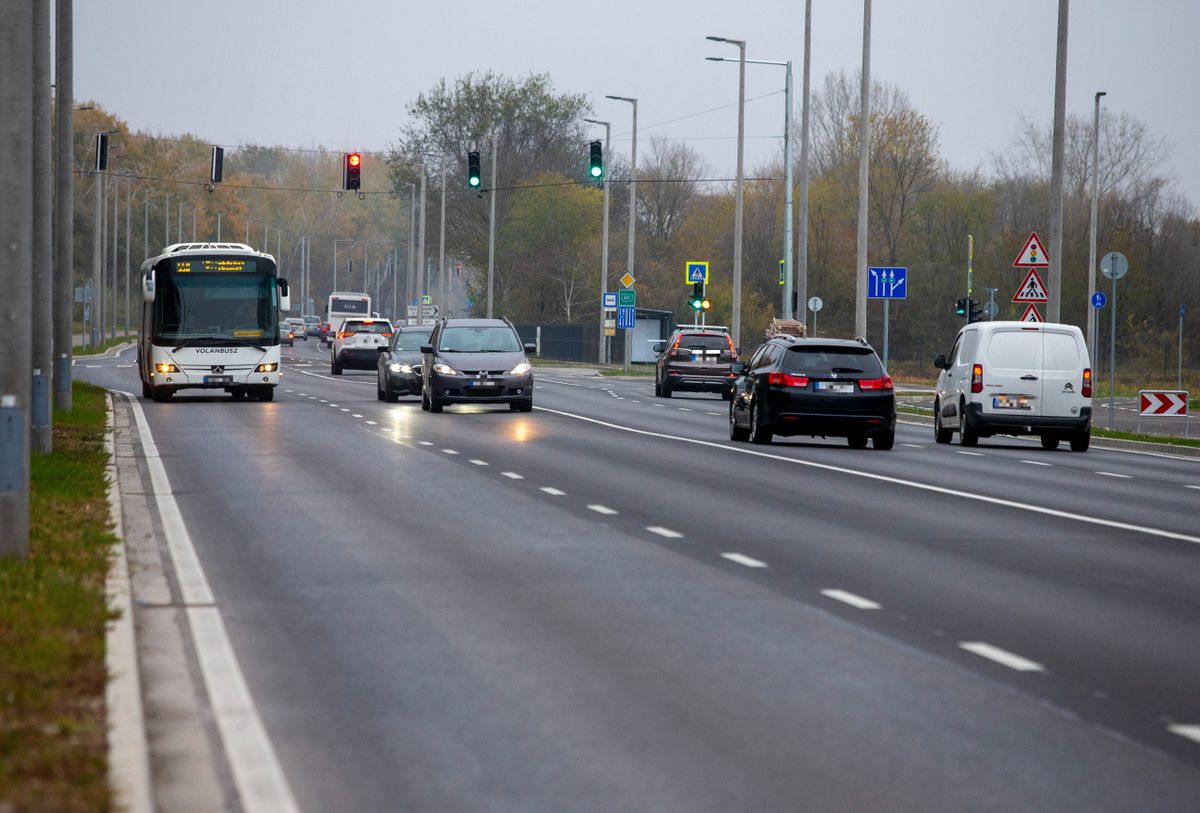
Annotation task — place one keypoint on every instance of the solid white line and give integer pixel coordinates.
(743, 560)
(449, 451)
(512, 475)
(883, 478)
(972, 454)
(1114, 474)
(1001, 656)
(603, 509)
(257, 774)
(1192, 732)
(661, 531)
(850, 598)
(479, 462)
(1036, 463)
(552, 491)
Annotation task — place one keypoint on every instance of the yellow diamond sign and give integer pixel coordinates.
(627, 280)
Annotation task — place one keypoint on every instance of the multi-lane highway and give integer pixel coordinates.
(606, 605)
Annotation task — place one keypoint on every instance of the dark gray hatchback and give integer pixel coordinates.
(476, 361)
(399, 369)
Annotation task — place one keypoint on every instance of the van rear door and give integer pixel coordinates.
(1012, 372)
(1064, 359)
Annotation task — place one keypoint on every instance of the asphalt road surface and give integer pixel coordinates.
(606, 605)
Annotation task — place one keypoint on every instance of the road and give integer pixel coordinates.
(605, 605)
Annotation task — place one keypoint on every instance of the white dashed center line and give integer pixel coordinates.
(1114, 474)
(356, 415)
(552, 491)
(661, 531)
(512, 475)
(1192, 732)
(1001, 656)
(851, 599)
(479, 462)
(424, 443)
(1035, 463)
(743, 560)
(372, 423)
(685, 409)
(660, 406)
(344, 409)
(449, 451)
(913, 445)
(718, 414)
(332, 405)
(603, 509)
(972, 454)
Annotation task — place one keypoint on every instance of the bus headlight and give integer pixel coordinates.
(268, 367)
(166, 367)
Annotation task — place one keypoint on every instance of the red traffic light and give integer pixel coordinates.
(354, 159)
(352, 172)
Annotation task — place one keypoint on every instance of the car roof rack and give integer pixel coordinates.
(713, 328)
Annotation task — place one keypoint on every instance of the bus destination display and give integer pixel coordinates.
(204, 265)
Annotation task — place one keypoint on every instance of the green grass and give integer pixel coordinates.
(638, 370)
(52, 615)
(79, 350)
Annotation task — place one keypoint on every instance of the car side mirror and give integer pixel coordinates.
(530, 347)
(737, 368)
(660, 346)
(939, 361)
(427, 348)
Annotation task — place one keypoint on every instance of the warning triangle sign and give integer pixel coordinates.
(1032, 289)
(1033, 255)
(1031, 314)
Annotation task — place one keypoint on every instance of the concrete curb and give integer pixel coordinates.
(128, 751)
(111, 352)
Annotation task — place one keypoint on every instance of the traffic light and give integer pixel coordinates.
(974, 311)
(705, 304)
(217, 166)
(697, 301)
(597, 161)
(473, 172)
(101, 152)
(352, 172)
(960, 307)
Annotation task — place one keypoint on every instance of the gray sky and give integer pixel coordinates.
(304, 73)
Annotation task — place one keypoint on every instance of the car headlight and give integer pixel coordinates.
(393, 368)
(266, 367)
(444, 369)
(520, 369)
(400, 368)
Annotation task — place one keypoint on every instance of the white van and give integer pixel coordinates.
(1015, 378)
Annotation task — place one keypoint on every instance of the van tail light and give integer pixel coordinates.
(884, 383)
(1087, 382)
(977, 378)
(785, 380)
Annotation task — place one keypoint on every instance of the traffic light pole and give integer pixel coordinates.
(492, 230)
(43, 258)
(64, 205)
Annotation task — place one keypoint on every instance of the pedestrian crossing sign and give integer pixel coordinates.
(1032, 289)
(695, 271)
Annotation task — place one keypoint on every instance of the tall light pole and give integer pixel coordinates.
(1054, 306)
(787, 172)
(492, 227)
(632, 214)
(64, 204)
(442, 238)
(43, 257)
(736, 321)
(422, 271)
(864, 157)
(1091, 312)
(603, 352)
(801, 296)
(410, 279)
(335, 245)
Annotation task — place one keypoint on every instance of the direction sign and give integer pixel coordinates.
(626, 317)
(1098, 300)
(1032, 289)
(1031, 314)
(695, 271)
(627, 279)
(1114, 265)
(429, 310)
(627, 298)
(608, 299)
(1033, 255)
(887, 283)
(414, 311)
(1163, 402)
(815, 304)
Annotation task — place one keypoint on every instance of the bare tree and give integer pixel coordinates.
(668, 185)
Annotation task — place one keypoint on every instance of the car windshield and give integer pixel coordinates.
(410, 340)
(479, 340)
(818, 360)
(360, 326)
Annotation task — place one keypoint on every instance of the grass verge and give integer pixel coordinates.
(79, 350)
(639, 370)
(53, 610)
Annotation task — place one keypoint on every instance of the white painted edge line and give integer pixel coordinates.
(883, 478)
(743, 560)
(512, 475)
(1114, 474)
(665, 532)
(476, 461)
(257, 774)
(552, 491)
(1192, 732)
(602, 509)
(1001, 656)
(853, 600)
(128, 751)
(1036, 463)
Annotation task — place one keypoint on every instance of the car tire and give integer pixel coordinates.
(435, 406)
(940, 433)
(657, 389)
(391, 396)
(966, 435)
(857, 440)
(758, 433)
(1050, 442)
(736, 433)
(665, 390)
(727, 395)
(1081, 440)
(884, 440)
(237, 394)
(380, 395)
(335, 368)
(522, 406)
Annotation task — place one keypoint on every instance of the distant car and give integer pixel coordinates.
(357, 344)
(399, 369)
(312, 326)
(323, 334)
(694, 360)
(299, 329)
(818, 387)
(476, 361)
(286, 334)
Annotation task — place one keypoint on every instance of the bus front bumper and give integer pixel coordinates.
(205, 379)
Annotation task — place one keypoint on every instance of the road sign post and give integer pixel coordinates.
(627, 297)
(1098, 300)
(887, 284)
(1114, 266)
(815, 304)
(1179, 367)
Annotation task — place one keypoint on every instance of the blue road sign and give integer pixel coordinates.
(887, 283)
(1098, 300)
(626, 317)
(1180, 310)
(697, 271)
(608, 299)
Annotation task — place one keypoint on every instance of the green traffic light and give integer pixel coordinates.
(474, 181)
(597, 172)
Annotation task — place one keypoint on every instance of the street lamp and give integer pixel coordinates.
(1091, 312)
(787, 160)
(736, 323)
(603, 353)
(632, 213)
(335, 245)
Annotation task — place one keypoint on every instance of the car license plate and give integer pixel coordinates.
(218, 379)
(833, 386)
(486, 383)
(1011, 402)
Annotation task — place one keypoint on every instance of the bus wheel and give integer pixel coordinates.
(162, 394)
(266, 394)
(147, 391)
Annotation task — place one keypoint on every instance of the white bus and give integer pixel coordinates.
(345, 305)
(210, 319)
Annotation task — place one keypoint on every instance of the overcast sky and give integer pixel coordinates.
(305, 73)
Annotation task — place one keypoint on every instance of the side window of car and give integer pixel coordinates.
(757, 359)
(953, 354)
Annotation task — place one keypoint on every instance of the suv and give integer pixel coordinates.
(312, 325)
(357, 344)
(479, 361)
(694, 359)
(1015, 378)
(299, 329)
(813, 387)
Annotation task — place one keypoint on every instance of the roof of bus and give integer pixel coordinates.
(206, 248)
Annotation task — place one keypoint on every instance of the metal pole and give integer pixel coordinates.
(864, 156)
(1054, 306)
(492, 228)
(218, 226)
(146, 228)
(42, 291)
(788, 285)
(335, 242)
(112, 290)
(421, 268)
(886, 309)
(194, 225)
(1091, 312)
(442, 240)
(412, 247)
(1179, 363)
(179, 225)
(1112, 350)
(801, 294)
(603, 346)
(128, 244)
(247, 240)
(64, 205)
(167, 221)
(97, 256)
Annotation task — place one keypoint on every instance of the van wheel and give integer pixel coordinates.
(147, 391)
(1081, 440)
(966, 435)
(266, 394)
(940, 433)
(162, 394)
(1050, 442)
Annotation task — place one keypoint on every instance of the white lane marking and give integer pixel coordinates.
(718, 414)
(323, 401)
(853, 600)
(356, 415)
(257, 774)
(661, 531)
(287, 390)
(332, 405)
(449, 451)
(913, 445)
(743, 560)
(372, 423)
(552, 491)
(1195, 487)
(685, 409)
(603, 509)
(302, 393)
(1114, 474)
(512, 475)
(1001, 656)
(344, 409)
(1036, 463)
(476, 461)
(564, 383)
(883, 478)
(312, 397)
(424, 443)
(972, 454)
(660, 406)
(634, 401)
(1192, 732)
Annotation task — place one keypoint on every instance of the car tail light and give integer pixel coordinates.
(386, 335)
(680, 353)
(345, 334)
(732, 349)
(785, 380)
(977, 378)
(1087, 382)
(884, 383)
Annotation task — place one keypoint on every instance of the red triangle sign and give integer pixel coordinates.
(1031, 314)
(1032, 289)
(1033, 255)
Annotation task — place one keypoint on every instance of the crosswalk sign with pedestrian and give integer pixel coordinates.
(1032, 289)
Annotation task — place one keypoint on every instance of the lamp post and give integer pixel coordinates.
(1091, 312)
(864, 157)
(603, 353)
(801, 294)
(736, 304)
(632, 214)
(351, 240)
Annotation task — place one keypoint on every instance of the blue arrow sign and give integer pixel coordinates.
(887, 283)
(626, 317)
(1098, 300)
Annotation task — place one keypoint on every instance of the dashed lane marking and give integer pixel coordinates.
(972, 454)
(913, 445)
(355, 415)
(552, 491)
(1192, 732)
(743, 560)
(512, 475)
(1195, 487)
(685, 409)
(665, 532)
(603, 509)
(1114, 474)
(1001, 656)
(449, 451)
(372, 423)
(853, 600)
(1036, 463)
(476, 461)
(424, 443)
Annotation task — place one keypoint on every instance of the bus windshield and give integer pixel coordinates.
(216, 306)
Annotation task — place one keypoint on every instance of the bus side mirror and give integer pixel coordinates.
(148, 286)
(285, 297)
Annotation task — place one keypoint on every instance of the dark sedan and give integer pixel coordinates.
(399, 369)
